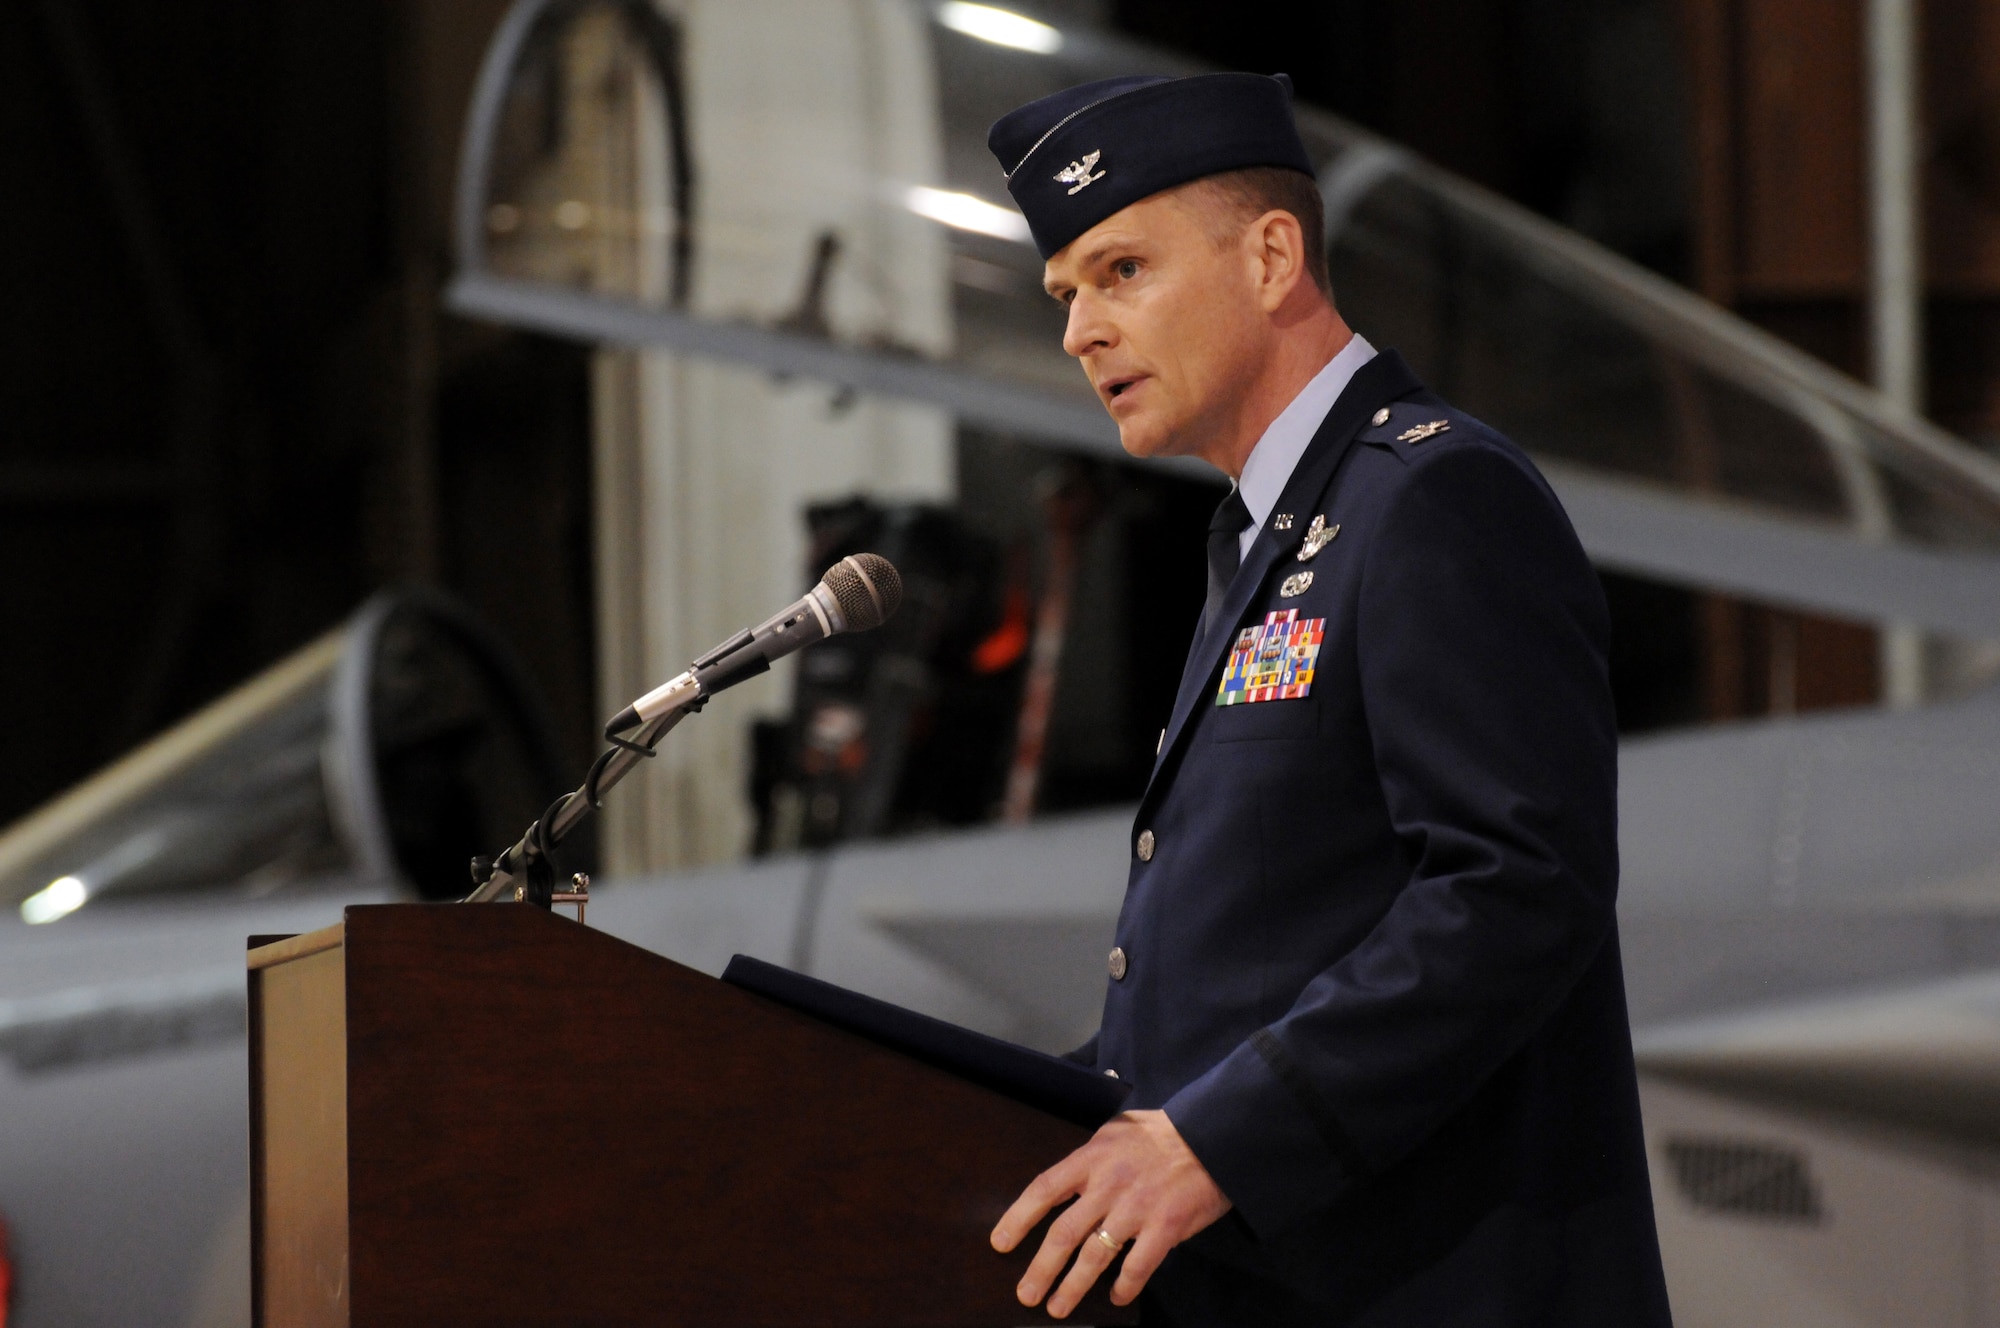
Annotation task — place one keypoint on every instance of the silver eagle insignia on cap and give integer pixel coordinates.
(1077, 174)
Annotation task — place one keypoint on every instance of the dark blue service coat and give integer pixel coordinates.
(1369, 958)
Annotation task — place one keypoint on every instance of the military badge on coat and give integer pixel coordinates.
(1318, 536)
(1273, 661)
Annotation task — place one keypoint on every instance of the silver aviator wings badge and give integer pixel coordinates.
(1318, 536)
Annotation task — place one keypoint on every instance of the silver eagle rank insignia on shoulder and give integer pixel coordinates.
(1420, 432)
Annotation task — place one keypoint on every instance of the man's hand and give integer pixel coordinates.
(1136, 1180)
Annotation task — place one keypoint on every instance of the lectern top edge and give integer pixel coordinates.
(298, 947)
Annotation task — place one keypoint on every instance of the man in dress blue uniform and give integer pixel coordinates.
(1366, 985)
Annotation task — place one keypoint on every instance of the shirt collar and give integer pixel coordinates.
(1271, 462)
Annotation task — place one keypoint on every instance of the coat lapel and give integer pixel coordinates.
(1378, 382)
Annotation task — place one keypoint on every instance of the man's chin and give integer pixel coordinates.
(1143, 439)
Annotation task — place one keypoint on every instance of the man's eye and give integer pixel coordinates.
(1127, 269)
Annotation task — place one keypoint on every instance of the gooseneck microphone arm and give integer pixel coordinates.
(858, 593)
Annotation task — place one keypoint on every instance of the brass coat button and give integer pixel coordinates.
(1146, 842)
(1381, 417)
(1117, 963)
(1111, 1074)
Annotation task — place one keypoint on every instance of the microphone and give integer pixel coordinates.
(858, 593)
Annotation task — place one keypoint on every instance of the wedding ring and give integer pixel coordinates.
(1104, 1239)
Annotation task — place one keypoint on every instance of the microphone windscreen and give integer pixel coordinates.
(868, 589)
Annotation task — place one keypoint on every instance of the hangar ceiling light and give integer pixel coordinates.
(59, 898)
(967, 212)
(1002, 27)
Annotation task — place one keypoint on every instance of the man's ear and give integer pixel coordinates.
(1281, 242)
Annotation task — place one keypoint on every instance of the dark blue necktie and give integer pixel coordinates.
(1225, 530)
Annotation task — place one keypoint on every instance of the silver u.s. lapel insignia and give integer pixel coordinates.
(1077, 174)
(1295, 585)
(1283, 521)
(1421, 431)
(1318, 536)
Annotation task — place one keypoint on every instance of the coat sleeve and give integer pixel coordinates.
(1481, 643)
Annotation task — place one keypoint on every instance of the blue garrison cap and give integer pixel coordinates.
(1074, 158)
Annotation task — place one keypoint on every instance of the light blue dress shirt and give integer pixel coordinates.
(1277, 453)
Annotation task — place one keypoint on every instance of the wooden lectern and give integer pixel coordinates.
(490, 1115)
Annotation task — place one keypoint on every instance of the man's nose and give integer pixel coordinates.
(1088, 330)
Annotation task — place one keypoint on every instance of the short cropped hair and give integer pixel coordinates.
(1249, 193)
